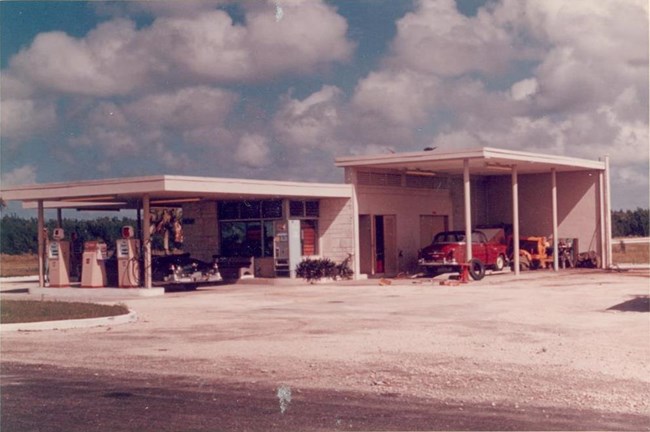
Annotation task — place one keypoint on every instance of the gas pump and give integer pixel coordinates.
(128, 261)
(58, 256)
(93, 270)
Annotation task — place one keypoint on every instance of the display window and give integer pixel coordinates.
(247, 227)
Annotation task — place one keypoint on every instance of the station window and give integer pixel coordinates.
(246, 227)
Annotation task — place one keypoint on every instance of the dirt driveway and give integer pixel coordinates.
(544, 342)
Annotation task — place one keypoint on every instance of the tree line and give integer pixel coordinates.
(631, 223)
(19, 235)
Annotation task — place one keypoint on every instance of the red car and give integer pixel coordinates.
(447, 252)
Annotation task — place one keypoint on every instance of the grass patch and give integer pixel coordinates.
(638, 253)
(18, 265)
(22, 311)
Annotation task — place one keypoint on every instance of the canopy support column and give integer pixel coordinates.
(468, 210)
(515, 219)
(41, 244)
(146, 241)
(608, 217)
(556, 258)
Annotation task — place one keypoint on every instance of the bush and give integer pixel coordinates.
(316, 269)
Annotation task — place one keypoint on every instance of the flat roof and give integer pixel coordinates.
(164, 190)
(482, 161)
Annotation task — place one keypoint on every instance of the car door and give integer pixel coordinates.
(480, 247)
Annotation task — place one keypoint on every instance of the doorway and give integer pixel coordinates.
(378, 244)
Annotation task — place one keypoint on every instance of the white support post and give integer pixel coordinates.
(515, 218)
(556, 258)
(146, 241)
(468, 210)
(608, 217)
(356, 260)
(601, 203)
(41, 244)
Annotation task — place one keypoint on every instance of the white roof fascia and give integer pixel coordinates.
(169, 185)
(482, 153)
(245, 187)
(85, 188)
(421, 156)
(515, 156)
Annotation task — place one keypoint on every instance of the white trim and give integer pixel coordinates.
(556, 258)
(486, 153)
(165, 187)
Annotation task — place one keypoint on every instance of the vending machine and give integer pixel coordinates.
(93, 270)
(128, 259)
(286, 247)
(58, 256)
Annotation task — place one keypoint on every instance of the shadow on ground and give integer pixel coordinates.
(86, 400)
(639, 303)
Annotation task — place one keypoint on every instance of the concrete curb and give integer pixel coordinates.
(70, 324)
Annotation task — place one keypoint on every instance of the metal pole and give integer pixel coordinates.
(556, 258)
(515, 218)
(146, 241)
(41, 244)
(59, 218)
(468, 210)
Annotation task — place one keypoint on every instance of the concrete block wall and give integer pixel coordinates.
(336, 226)
(577, 199)
(407, 204)
(202, 233)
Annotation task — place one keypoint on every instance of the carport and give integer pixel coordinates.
(583, 190)
(143, 193)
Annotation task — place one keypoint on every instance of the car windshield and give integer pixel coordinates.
(449, 237)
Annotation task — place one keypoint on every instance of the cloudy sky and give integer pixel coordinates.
(278, 89)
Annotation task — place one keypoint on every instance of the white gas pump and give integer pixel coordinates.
(58, 256)
(128, 259)
(93, 270)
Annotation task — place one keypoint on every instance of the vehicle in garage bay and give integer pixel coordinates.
(447, 253)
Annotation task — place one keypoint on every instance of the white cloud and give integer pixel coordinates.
(116, 58)
(311, 122)
(186, 108)
(253, 151)
(398, 96)
(23, 175)
(524, 89)
(438, 39)
(21, 118)
(106, 62)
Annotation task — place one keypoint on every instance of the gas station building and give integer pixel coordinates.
(388, 208)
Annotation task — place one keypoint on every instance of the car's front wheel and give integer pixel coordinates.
(500, 263)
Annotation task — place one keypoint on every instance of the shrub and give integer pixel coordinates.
(316, 269)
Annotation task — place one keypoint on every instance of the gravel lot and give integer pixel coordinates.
(544, 343)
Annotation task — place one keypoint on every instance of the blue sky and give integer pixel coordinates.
(278, 89)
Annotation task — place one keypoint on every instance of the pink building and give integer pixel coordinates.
(389, 207)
